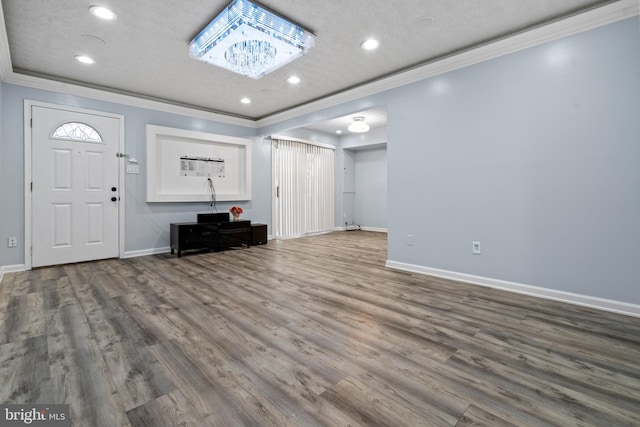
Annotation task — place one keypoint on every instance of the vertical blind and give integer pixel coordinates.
(303, 178)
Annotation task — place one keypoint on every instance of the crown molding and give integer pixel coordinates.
(119, 98)
(6, 69)
(9, 76)
(594, 18)
(610, 13)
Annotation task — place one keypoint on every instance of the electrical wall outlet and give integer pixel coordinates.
(475, 248)
(410, 240)
(13, 242)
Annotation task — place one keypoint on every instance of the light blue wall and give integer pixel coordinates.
(348, 171)
(355, 209)
(146, 224)
(370, 201)
(3, 168)
(374, 138)
(536, 155)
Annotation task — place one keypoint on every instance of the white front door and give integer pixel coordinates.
(75, 186)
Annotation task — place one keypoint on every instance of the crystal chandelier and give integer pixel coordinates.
(250, 57)
(250, 40)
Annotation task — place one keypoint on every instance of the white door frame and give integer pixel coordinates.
(28, 143)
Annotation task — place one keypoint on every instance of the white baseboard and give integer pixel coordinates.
(155, 251)
(363, 228)
(11, 269)
(519, 288)
(376, 229)
(145, 252)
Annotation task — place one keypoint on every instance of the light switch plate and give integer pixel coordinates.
(133, 168)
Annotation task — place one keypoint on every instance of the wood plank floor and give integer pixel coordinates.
(306, 332)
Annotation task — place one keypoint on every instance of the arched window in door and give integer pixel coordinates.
(76, 131)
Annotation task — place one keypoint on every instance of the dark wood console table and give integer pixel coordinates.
(214, 236)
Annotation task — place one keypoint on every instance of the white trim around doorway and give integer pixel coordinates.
(28, 104)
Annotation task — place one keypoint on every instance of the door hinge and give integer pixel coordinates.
(31, 123)
(278, 192)
(32, 186)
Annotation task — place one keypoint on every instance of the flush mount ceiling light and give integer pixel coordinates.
(358, 125)
(250, 40)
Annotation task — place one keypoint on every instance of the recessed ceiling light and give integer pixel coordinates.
(370, 44)
(245, 101)
(103, 13)
(294, 80)
(85, 59)
(338, 131)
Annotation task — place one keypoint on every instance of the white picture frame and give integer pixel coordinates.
(168, 150)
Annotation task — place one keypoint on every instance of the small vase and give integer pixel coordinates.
(236, 217)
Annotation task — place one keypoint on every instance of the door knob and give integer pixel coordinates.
(113, 199)
(114, 189)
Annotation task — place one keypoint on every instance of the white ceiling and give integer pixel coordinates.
(144, 52)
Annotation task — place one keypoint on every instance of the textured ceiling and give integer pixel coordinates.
(144, 52)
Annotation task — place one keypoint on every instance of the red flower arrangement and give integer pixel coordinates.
(236, 210)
